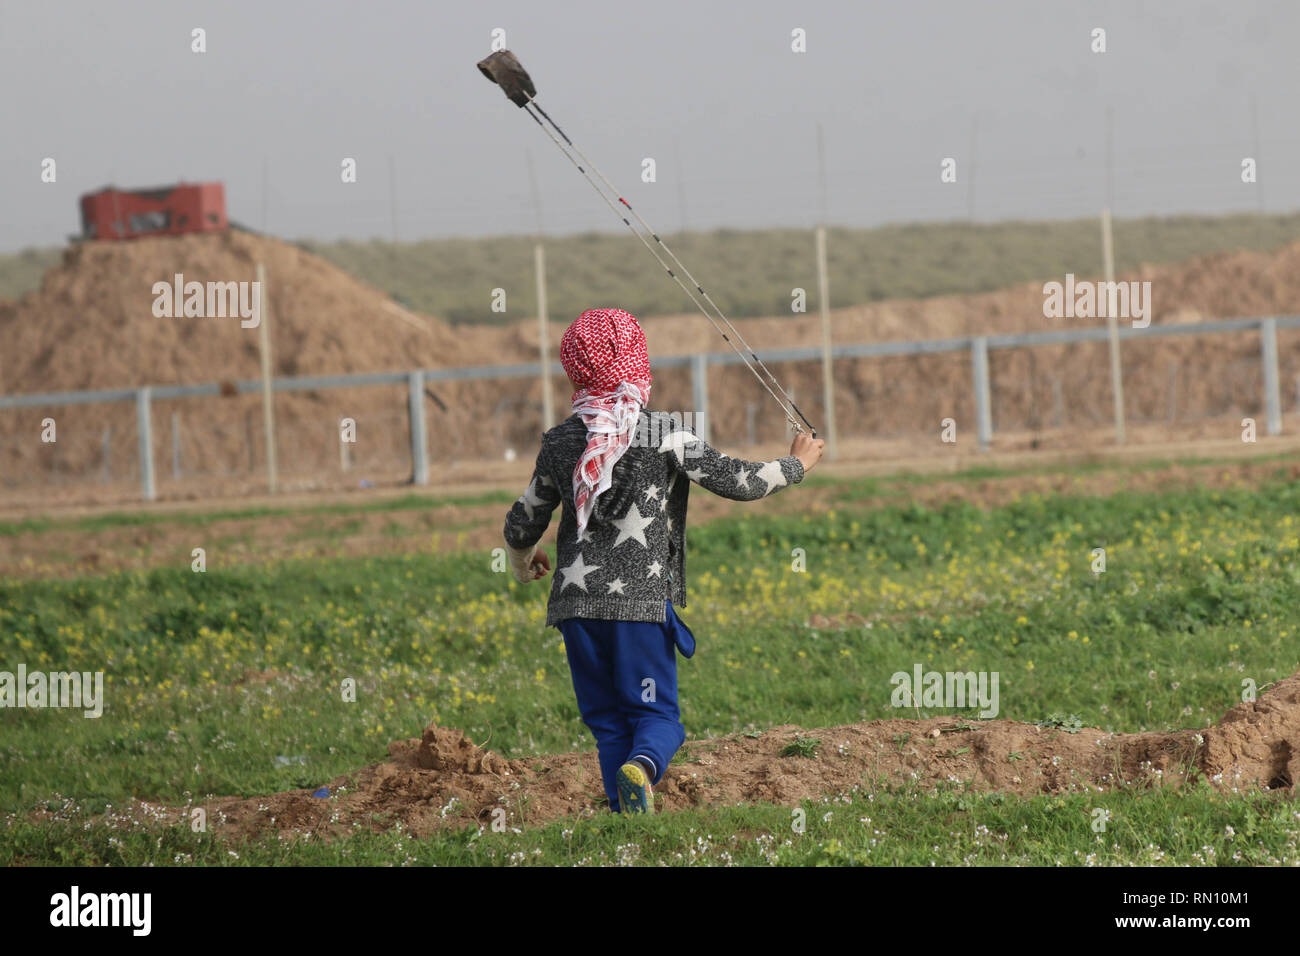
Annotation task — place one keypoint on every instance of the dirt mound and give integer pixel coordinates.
(1165, 380)
(445, 780)
(1224, 285)
(1259, 742)
(91, 326)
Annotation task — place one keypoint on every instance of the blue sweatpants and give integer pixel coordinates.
(625, 679)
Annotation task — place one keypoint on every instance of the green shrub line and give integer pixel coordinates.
(752, 271)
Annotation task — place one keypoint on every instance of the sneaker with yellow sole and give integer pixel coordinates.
(634, 793)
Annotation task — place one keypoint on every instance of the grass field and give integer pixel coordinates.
(226, 682)
(444, 277)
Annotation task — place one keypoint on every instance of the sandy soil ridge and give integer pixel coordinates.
(442, 779)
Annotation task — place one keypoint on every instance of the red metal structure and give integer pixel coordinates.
(169, 211)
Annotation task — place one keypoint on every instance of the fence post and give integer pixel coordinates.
(700, 387)
(176, 444)
(979, 354)
(144, 427)
(544, 338)
(1172, 401)
(1272, 389)
(419, 453)
(1112, 321)
(268, 403)
(828, 379)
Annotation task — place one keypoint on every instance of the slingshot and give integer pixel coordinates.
(504, 69)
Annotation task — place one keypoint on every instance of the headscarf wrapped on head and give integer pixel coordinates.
(605, 356)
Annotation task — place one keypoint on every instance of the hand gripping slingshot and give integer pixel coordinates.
(504, 69)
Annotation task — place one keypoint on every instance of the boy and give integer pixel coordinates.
(623, 475)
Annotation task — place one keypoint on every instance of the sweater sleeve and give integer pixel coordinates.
(731, 478)
(528, 517)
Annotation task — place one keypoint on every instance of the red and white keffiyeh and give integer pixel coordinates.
(605, 356)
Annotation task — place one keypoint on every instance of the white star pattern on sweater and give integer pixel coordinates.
(676, 442)
(577, 572)
(530, 500)
(654, 569)
(696, 475)
(632, 526)
(773, 475)
(615, 587)
(652, 493)
(742, 478)
(672, 483)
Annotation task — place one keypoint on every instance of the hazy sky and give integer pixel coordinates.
(710, 90)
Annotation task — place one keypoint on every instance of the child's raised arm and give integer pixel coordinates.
(526, 523)
(732, 477)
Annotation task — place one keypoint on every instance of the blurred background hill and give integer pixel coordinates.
(751, 272)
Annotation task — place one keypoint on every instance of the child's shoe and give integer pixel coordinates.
(634, 793)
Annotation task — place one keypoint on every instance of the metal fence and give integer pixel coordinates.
(178, 441)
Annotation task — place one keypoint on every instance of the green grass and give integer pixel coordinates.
(801, 747)
(876, 824)
(753, 271)
(1199, 594)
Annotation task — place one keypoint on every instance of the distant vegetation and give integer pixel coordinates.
(751, 273)
(20, 272)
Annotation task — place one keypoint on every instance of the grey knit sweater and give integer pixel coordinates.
(632, 556)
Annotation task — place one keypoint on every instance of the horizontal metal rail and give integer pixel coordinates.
(532, 369)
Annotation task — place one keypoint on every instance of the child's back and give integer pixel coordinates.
(622, 476)
(631, 559)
